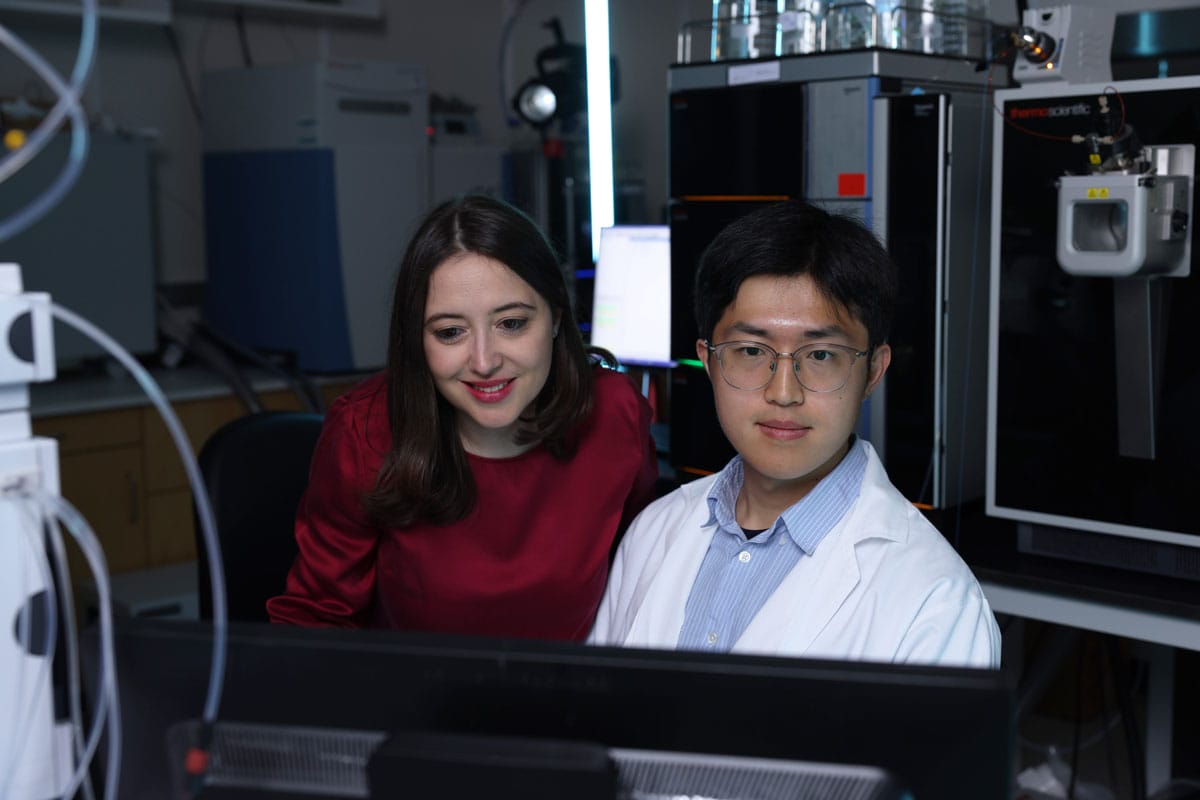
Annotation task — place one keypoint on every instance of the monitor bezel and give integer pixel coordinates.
(940, 729)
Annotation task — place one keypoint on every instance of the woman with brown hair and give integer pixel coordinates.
(480, 483)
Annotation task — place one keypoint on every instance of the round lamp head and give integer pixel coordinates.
(536, 103)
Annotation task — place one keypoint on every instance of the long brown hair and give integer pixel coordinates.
(426, 475)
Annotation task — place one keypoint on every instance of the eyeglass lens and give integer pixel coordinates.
(820, 368)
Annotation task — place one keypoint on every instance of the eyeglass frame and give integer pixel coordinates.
(714, 348)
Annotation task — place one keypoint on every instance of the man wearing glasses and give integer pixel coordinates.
(800, 546)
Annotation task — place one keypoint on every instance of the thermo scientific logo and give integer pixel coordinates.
(1079, 109)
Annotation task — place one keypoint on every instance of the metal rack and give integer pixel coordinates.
(159, 12)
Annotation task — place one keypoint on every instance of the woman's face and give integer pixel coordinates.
(488, 339)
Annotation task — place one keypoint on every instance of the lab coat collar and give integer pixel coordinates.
(807, 521)
(785, 624)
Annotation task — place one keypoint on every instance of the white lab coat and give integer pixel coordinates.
(883, 585)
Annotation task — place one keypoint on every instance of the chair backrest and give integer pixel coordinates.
(255, 469)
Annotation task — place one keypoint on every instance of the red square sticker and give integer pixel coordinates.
(852, 184)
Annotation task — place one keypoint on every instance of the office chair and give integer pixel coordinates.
(255, 469)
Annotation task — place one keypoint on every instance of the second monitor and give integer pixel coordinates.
(631, 314)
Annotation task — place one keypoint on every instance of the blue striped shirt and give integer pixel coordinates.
(738, 574)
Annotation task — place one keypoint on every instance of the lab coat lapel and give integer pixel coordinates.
(809, 597)
(660, 616)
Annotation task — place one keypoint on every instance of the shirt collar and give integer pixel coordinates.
(811, 517)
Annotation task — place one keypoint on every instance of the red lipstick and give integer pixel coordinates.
(490, 391)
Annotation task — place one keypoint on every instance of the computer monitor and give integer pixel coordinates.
(631, 307)
(940, 732)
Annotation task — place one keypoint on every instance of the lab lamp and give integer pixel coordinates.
(559, 89)
(577, 79)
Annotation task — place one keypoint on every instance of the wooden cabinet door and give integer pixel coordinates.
(101, 474)
(108, 488)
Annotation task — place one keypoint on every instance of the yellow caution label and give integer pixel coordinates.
(14, 138)
(1100, 193)
(1094, 158)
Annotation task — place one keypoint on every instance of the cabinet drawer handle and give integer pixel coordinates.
(133, 497)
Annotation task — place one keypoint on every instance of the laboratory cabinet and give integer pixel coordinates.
(120, 468)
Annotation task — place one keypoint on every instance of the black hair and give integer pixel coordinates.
(844, 259)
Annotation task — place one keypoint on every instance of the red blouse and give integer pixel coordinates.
(530, 560)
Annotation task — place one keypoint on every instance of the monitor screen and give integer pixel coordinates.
(939, 732)
(631, 310)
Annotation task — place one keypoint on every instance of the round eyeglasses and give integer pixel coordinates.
(819, 367)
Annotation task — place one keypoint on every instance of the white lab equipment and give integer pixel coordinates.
(315, 174)
(34, 749)
(1070, 43)
(1092, 386)
(1129, 223)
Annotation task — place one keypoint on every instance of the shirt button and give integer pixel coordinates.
(744, 557)
(712, 638)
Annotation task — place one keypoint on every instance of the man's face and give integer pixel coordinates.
(790, 437)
